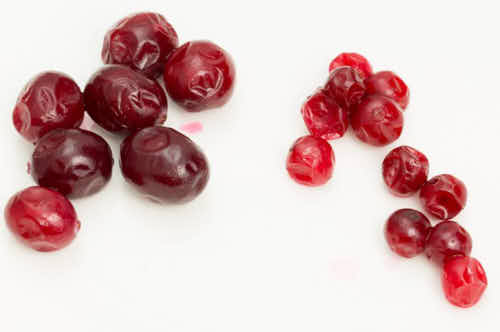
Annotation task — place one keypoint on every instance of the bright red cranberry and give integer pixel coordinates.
(324, 117)
(377, 120)
(141, 41)
(443, 196)
(42, 219)
(50, 100)
(74, 162)
(311, 161)
(405, 232)
(464, 281)
(199, 75)
(164, 165)
(120, 99)
(388, 84)
(405, 170)
(447, 240)
(354, 60)
(346, 87)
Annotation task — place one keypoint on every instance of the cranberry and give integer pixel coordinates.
(443, 196)
(447, 240)
(324, 117)
(42, 219)
(405, 170)
(346, 87)
(464, 281)
(199, 75)
(354, 60)
(50, 100)
(311, 161)
(74, 162)
(120, 99)
(164, 165)
(405, 232)
(141, 41)
(388, 84)
(377, 120)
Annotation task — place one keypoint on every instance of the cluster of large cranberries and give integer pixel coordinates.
(123, 97)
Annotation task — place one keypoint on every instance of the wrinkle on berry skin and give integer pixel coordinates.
(444, 196)
(464, 281)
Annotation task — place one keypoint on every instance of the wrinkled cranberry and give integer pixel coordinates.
(42, 219)
(200, 75)
(346, 87)
(388, 84)
(74, 162)
(324, 117)
(443, 196)
(447, 240)
(405, 232)
(164, 165)
(354, 60)
(377, 120)
(311, 161)
(464, 281)
(120, 99)
(141, 41)
(50, 100)
(405, 170)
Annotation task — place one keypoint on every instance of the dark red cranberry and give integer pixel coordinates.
(324, 117)
(443, 196)
(447, 240)
(406, 231)
(346, 87)
(42, 219)
(141, 41)
(120, 99)
(405, 170)
(311, 161)
(354, 60)
(164, 165)
(74, 162)
(388, 84)
(50, 100)
(464, 281)
(200, 75)
(377, 120)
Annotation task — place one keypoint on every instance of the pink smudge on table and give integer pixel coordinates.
(28, 167)
(192, 127)
(345, 269)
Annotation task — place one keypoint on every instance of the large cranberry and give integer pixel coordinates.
(377, 120)
(164, 165)
(346, 87)
(200, 75)
(50, 100)
(405, 170)
(120, 99)
(447, 240)
(42, 219)
(141, 41)
(406, 231)
(310, 161)
(354, 60)
(74, 162)
(443, 196)
(388, 84)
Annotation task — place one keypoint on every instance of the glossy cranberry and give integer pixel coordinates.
(42, 219)
(405, 170)
(164, 165)
(324, 117)
(464, 281)
(311, 161)
(346, 87)
(50, 100)
(447, 240)
(388, 84)
(120, 99)
(199, 75)
(141, 41)
(405, 232)
(377, 120)
(74, 162)
(443, 196)
(354, 60)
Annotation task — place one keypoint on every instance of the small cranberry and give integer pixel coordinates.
(447, 240)
(354, 60)
(443, 196)
(199, 75)
(311, 161)
(42, 219)
(405, 232)
(388, 84)
(346, 87)
(50, 100)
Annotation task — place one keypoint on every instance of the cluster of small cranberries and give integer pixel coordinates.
(123, 97)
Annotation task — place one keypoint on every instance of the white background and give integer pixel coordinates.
(257, 252)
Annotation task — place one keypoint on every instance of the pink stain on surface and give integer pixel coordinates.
(28, 167)
(192, 127)
(345, 269)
